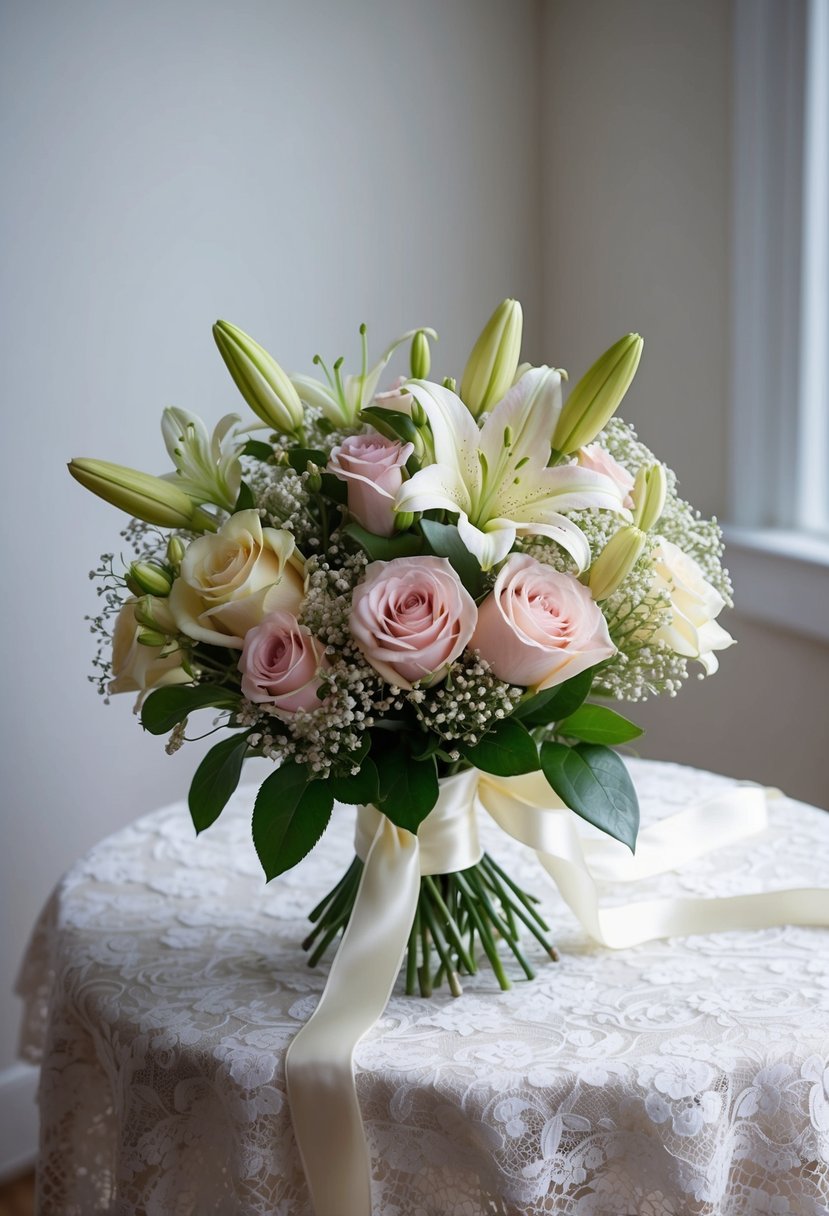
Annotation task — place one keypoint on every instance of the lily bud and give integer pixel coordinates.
(259, 378)
(150, 578)
(314, 482)
(152, 499)
(649, 492)
(176, 549)
(615, 562)
(150, 637)
(494, 359)
(420, 357)
(403, 520)
(154, 613)
(451, 383)
(595, 399)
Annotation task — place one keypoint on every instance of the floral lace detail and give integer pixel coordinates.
(687, 1077)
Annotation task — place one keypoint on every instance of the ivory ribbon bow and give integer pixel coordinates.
(319, 1069)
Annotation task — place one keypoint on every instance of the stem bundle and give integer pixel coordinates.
(457, 916)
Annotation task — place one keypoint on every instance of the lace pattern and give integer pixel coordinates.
(687, 1077)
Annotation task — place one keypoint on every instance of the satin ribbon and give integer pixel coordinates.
(318, 1066)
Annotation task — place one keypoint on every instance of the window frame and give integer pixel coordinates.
(780, 568)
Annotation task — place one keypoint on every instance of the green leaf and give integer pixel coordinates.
(166, 707)
(384, 548)
(361, 789)
(289, 816)
(598, 724)
(408, 787)
(427, 745)
(593, 782)
(215, 780)
(508, 749)
(258, 450)
(334, 489)
(394, 424)
(556, 703)
(245, 500)
(298, 458)
(444, 541)
(355, 758)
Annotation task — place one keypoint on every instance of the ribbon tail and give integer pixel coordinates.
(318, 1066)
(551, 832)
(645, 920)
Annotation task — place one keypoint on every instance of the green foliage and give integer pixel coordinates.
(598, 724)
(290, 814)
(555, 703)
(258, 450)
(245, 500)
(333, 488)
(166, 707)
(362, 789)
(444, 541)
(408, 787)
(384, 548)
(594, 783)
(508, 749)
(394, 424)
(298, 458)
(215, 780)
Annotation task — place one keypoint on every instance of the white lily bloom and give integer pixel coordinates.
(207, 466)
(342, 398)
(496, 479)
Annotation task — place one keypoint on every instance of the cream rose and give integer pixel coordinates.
(411, 618)
(692, 630)
(137, 668)
(232, 580)
(539, 628)
(372, 468)
(280, 665)
(595, 457)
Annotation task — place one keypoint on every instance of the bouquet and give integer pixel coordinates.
(382, 590)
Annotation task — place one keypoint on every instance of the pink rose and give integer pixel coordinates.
(280, 665)
(538, 627)
(395, 398)
(595, 457)
(411, 618)
(371, 467)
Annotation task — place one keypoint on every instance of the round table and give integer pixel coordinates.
(164, 982)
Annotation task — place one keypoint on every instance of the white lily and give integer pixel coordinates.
(207, 466)
(342, 398)
(496, 479)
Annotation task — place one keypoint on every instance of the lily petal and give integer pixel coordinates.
(529, 411)
(490, 546)
(565, 533)
(565, 488)
(437, 487)
(314, 392)
(454, 431)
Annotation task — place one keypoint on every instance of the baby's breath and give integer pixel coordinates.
(111, 592)
(467, 703)
(643, 665)
(679, 523)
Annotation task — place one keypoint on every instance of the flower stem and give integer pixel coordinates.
(455, 912)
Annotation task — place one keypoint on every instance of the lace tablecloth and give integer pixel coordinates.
(691, 1076)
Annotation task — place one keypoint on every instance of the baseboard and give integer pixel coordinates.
(18, 1119)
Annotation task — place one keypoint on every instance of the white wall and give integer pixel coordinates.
(636, 221)
(295, 168)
